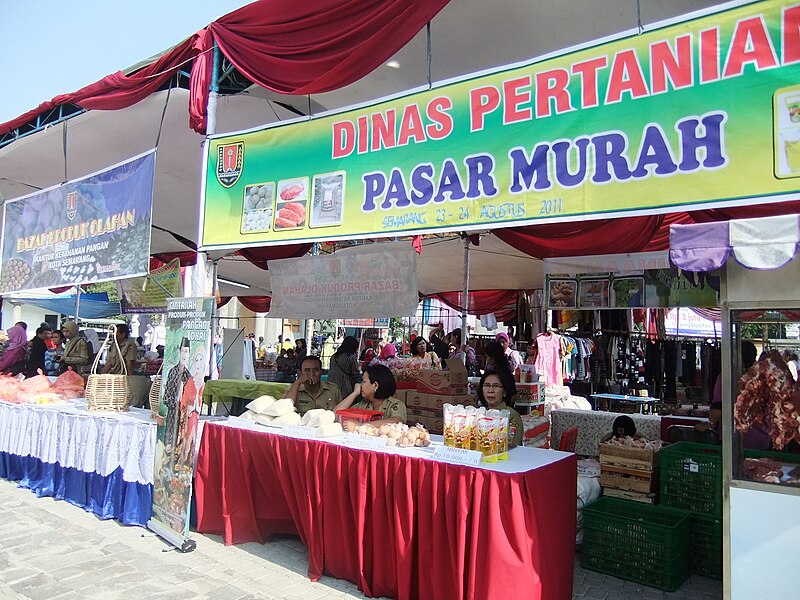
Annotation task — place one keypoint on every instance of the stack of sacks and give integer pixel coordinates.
(556, 398)
(323, 420)
(589, 490)
(536, 432)
(265, 410)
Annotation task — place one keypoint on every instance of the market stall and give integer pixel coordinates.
(101, 462)
(760, 489)
(226, 391)
(395, 521)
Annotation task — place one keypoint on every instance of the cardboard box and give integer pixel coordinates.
(416, 399)
(402, 395)
(446, 383)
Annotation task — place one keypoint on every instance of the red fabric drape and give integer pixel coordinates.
(255, 303)
(480, 302)
(397, 526)
(261, 256)
(118, 90)
(626, 234)
(287, 46)
(159, 260)
(581, 238)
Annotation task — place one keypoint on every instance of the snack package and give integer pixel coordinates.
(471, 436)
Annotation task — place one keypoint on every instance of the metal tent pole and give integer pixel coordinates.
(465, 295)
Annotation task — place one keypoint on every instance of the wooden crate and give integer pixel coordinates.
(649, 498)
(632, 458)
(623, 478)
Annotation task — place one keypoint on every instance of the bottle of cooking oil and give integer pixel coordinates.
(502, 439)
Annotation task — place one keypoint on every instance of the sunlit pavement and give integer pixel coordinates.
(53, 550)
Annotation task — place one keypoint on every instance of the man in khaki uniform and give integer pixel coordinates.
(309, 391)
(127, 349)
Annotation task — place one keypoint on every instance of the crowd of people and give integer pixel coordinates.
(365, 380)
(53, 351)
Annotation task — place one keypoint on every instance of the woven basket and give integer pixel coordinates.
(155, 393)
(105, 392)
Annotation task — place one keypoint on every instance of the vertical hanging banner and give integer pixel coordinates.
(680, 116)
(149, 295)
(185, 365)
(92, 229)
(357, 283)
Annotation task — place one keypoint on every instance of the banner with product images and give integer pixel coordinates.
(636, 280)
(92, 229)
(683, 116)
(148, 295)
(186, 359)
(362, 282)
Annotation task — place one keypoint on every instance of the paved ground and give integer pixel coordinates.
(52, 550)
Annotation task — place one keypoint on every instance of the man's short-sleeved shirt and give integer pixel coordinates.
(329, 396)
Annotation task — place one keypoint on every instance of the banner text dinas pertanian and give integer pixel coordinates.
(683, 61)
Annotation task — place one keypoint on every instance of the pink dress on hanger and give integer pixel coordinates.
(548, 360)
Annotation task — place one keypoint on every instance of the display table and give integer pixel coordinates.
(102, 462)
(644, 404)
(593, 425)
(226, 391)
(395, 522)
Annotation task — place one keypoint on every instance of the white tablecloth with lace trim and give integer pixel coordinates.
(93, 442)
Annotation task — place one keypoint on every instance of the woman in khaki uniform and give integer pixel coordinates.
(494, 392)
(375, 393)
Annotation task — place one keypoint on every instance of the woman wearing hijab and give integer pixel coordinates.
(344, 370)
(388, 352)
(76, 353)
(514, 359)
(92, 341)
(13, 360)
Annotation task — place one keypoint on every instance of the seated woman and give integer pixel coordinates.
(375, 393)
(421, 355)
(496, 391)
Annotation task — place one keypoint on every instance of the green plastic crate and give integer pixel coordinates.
(705, 545)
(691, 477)
(635, 541)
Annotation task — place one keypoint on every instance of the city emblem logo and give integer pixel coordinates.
(72, 205)
(230, 158)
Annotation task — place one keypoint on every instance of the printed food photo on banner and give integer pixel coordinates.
(258, 207)
(563, 293)
(290, 211)
(786, 113)
(593, 293)
(327, 208)
(627, 292)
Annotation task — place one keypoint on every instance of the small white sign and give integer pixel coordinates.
(302, 432)
(458, 456)
(364, 442)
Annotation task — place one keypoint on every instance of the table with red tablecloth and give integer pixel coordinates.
(395, 522)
